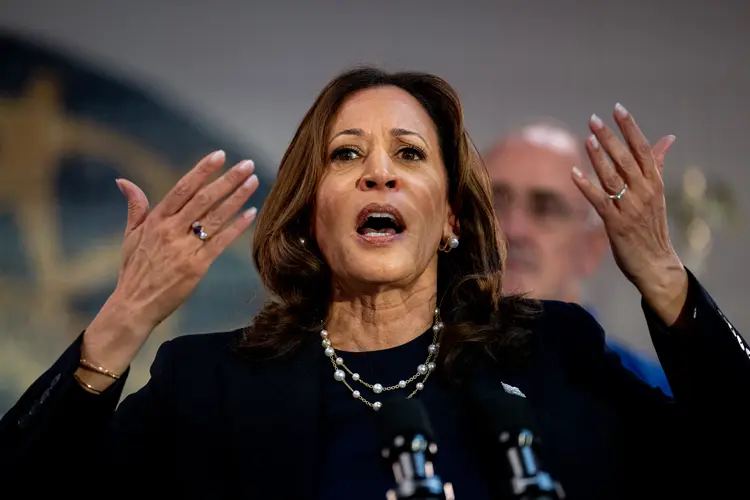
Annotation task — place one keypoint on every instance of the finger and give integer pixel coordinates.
(660, 150)
(190, 183)
(214, 246)
(639, 146)
(623, 160)
(213, 221)
(137, 204)
(209, 196)
(610, 180)
(594, 194)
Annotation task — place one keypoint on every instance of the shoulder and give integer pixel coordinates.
(569, 328)
(205, 343)
(198, 351)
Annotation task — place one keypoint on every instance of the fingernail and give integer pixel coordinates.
(671, 139)
(250, 213)
(577, 172)
(253, 179)
(246, 165)
(621, 111)
(217, 156)
(594, 142)
(119, 186)
(596, 122)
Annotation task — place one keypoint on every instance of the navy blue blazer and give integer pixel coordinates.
(211, 424)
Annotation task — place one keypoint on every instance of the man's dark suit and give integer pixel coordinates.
(212, 424)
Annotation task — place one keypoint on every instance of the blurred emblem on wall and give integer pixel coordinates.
(66, 132)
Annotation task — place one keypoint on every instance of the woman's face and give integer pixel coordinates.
(381, 206)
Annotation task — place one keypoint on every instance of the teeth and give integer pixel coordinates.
(377, 234)
(380, 215)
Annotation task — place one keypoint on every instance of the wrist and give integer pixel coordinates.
(115, 336)
(665, 291)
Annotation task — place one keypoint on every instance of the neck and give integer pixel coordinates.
(382, 319)
(571, 293)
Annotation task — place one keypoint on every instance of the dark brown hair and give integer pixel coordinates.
(469, 278)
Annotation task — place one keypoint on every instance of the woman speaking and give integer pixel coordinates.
(382, 262)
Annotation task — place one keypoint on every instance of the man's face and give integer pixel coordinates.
(551, 243)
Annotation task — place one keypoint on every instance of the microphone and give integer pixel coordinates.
(513, 432)
(409, 448)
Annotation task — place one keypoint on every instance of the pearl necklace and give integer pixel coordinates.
(340, 369)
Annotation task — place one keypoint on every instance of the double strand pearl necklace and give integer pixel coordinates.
(340, 369)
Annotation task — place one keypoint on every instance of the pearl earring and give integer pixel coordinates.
(449, 244)
(302, 241)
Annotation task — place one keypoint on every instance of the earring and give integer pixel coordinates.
(449, 244)
(302, 241)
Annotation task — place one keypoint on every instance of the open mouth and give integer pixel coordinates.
(380, 221)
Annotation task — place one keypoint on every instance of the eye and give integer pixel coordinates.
(412, 153)
(345, 153)
(550, 208)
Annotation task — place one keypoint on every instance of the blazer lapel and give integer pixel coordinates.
(276, 412)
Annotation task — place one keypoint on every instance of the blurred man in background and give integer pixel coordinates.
(555, 239)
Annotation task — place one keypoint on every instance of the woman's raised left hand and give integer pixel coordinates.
(631, 203)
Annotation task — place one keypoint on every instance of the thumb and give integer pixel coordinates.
(137, 204)
(660, 150)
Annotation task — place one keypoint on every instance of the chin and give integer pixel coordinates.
(383, 275)
(381, 269)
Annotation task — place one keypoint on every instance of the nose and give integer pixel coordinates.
(379, 173)
(515, 222)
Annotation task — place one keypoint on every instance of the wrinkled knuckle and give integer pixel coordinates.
(204, 169)
(233, 177)
(182, 188)
(625, 161)
(613, 184)
(643, 149)
(212, 220)
(202, 198)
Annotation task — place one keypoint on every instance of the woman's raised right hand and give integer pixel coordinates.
(163, 259)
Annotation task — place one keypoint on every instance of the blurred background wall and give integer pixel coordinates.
(92, 90)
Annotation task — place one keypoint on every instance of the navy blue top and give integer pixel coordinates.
(645, 368)
(351, 458)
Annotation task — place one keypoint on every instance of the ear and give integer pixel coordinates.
(595, 245)
(452, 226)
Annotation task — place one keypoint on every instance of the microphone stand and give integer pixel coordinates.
(528, 481)
(412, 463)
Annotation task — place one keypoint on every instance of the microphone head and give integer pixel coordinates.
(403, 417)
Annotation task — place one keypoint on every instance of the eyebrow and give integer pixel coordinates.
(395, 132)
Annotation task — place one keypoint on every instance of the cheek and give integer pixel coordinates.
(330, 214)
(430, 201)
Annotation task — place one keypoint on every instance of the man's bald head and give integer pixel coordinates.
(547, 221)
(548, 135)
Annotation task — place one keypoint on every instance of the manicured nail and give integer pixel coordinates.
(621, 111)
(250, 213)
(250, 181)
(596, 122)
(217, 156)
(245, 165)
(594, 142)
(671, 139)
(119, 186)
(577, 172)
